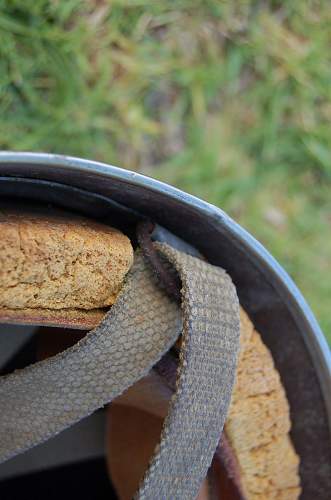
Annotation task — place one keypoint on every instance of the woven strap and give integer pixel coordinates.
(47, 397)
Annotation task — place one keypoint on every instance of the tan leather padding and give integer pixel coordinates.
(55, 266)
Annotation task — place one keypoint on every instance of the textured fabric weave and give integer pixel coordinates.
(42, 400)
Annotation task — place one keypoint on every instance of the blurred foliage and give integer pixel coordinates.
(230, 101)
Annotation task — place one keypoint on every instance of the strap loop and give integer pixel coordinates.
(45, 398)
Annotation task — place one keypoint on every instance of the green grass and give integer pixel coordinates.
(230, 101)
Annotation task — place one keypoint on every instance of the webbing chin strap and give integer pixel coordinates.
(47, 397)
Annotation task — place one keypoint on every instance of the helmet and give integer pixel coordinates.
(268, 294)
